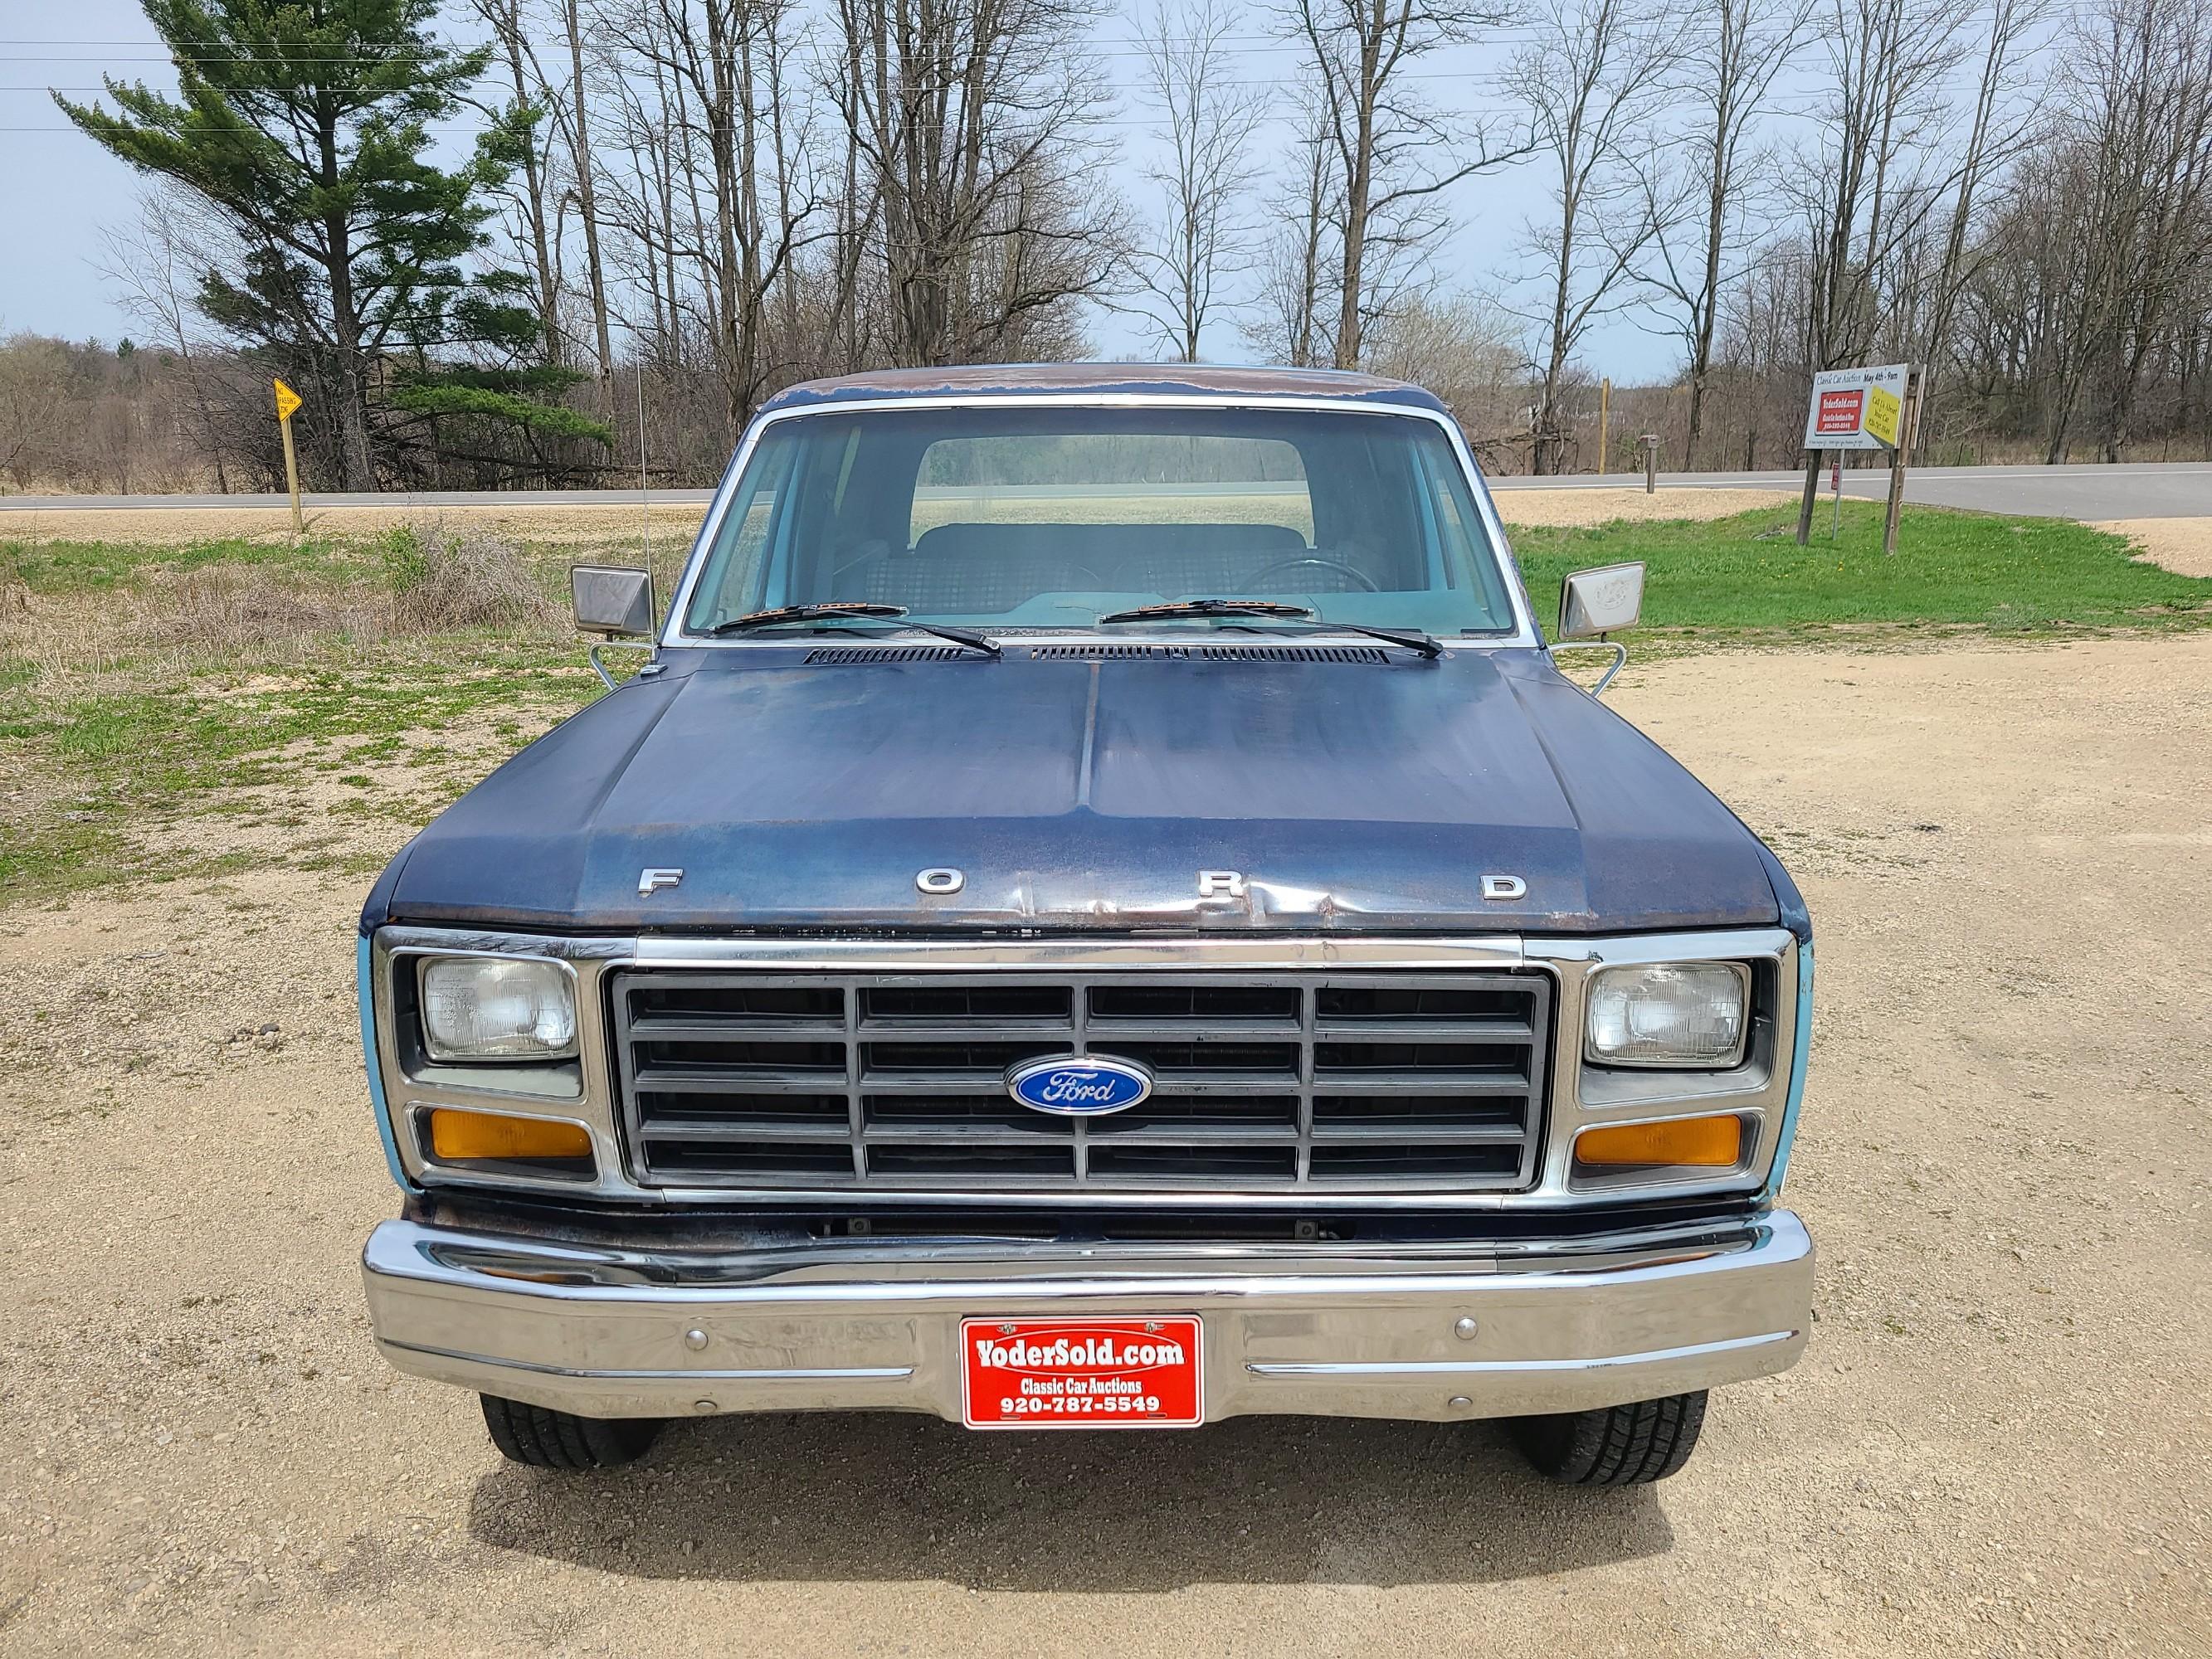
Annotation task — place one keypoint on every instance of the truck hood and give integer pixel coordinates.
(1092, 795)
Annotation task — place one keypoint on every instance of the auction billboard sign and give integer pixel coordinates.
(1856, 408)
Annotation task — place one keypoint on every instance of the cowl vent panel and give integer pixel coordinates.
(1369, 655)
(829, 656)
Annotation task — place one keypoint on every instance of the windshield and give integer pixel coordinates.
(1049, 518)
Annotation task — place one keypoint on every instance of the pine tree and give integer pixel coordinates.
(305, 125)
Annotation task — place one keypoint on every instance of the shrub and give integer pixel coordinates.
(442, 579)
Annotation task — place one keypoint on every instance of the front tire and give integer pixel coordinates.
(546, 1439)
(1615, 1445)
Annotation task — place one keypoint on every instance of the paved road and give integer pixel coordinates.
(2166, 490)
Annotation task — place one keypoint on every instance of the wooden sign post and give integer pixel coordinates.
(288, 404)
(1902, 437)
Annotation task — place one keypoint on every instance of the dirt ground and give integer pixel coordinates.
(2181, 545)
(1998, 1443)
(1587, 506)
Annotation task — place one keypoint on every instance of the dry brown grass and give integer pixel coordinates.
(600, 522)
(436, 579)
(230, 608)
(586, 523)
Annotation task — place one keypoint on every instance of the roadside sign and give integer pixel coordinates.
(1883, 406)
(1860, 408)
(1856, 408)
(288, 404)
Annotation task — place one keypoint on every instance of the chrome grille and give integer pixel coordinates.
(889, 1083)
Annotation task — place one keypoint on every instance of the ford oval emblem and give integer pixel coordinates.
(1080, 1085)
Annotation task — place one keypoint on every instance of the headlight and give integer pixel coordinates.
(490, 1008)
(1687, 1014)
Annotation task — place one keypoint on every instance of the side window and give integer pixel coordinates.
(736, 577)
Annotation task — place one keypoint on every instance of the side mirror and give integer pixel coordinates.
(611, 601)
(1601, 601)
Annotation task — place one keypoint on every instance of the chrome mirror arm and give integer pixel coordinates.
(1620, 659)
(596, 646)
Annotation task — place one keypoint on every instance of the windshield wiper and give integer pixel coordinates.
(831, 611)
(1209, 608)
(1275, 611)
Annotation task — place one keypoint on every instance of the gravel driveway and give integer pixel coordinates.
(1999, 1443)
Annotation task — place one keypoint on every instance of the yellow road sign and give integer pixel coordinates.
(1882, 409)
(287, 400)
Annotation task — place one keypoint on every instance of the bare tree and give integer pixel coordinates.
(1295, 319)
(1210, 120)
(156, 264)
(1395, 152)
(1593, 80)
(1881, 133)
(529, 198)
(1994, 132)
(2140, 119)
(975, 125)
(718, 69)
(587, 204)
(1732, 52)
(1468, 349)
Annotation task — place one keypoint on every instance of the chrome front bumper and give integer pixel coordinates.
(1417, 1331)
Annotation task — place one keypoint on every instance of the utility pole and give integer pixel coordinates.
(1604, 421)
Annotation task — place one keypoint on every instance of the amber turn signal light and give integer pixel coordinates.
(458, 1135)
(1698, 1142)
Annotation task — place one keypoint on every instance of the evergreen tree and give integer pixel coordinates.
(304, 124)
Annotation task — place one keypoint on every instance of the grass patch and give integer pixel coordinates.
(158, 702)
(1951, 569)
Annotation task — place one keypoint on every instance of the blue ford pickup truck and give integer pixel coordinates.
(1099, 912)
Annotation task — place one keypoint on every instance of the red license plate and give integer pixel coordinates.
(1081, 1373)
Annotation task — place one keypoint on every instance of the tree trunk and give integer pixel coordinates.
(351, 436)
(587, 197)
(549, 319)
(1359, 186)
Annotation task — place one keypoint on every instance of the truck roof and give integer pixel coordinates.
(1077, 380)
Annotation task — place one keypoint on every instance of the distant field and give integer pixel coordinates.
(193, 710)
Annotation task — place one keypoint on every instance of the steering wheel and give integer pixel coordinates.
(1307, 561)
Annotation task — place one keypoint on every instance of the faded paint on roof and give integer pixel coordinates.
(1151, 380)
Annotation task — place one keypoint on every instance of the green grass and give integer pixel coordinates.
(1746, 575)
(92, 568)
